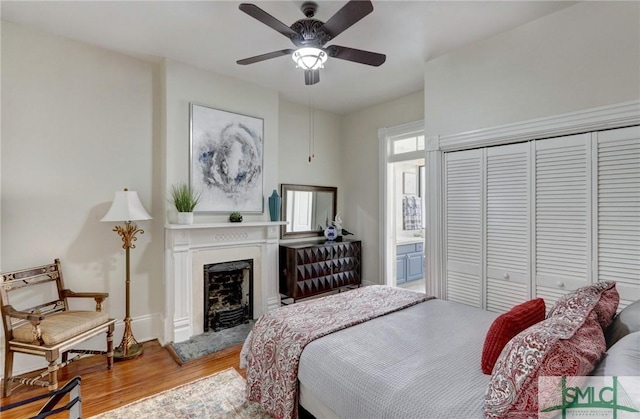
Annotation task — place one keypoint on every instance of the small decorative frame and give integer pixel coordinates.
(409, 186)
(226, 160)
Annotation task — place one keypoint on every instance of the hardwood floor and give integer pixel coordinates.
(103, 389)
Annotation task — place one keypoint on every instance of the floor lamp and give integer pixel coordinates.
(126, 206)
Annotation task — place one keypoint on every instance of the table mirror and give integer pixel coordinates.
(307, 209)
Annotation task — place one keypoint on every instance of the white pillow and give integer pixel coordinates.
(622, 359)
(627, 321)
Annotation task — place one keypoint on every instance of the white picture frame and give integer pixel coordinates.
(409, 184)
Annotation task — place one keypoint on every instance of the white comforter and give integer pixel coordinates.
(421, 362)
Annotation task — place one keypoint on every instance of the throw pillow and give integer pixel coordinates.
(569, 343)
(605, 308)
(506, 326)
(627, 321)
(622, 359)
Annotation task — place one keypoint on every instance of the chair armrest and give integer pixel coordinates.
(33, 318)
(98, 296)
(71, 294)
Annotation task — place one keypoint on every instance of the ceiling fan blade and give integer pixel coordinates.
(345, 17)
(264, 17)
(311, 77)
(266, 56)
(356, 55)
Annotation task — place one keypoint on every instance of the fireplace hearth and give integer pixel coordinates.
(228, 290)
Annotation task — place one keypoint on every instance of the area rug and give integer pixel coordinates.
(209, 342)
(221, 395)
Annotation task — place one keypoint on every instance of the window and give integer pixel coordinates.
(408, 144)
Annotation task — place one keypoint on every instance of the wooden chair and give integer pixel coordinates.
(48, 329)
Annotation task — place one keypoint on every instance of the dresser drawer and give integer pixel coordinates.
(309, 269)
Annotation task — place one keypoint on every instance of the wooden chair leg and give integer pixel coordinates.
(8, 373)
(52, 369)
(53, 375)
(110, 347)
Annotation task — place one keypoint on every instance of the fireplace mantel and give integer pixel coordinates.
(187, 247)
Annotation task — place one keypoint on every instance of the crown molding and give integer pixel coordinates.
(594, 119)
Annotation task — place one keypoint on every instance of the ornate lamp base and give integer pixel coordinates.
(129, 348)
(134, 351)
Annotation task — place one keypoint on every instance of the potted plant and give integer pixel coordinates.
(235, 217)
(185, 200)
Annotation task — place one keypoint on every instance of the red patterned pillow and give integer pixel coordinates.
(506, 326)
(605, 308)
(569, 342)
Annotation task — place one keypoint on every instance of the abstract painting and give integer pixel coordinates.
(226, 160)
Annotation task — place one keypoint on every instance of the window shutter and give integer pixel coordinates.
(508, 243)
(618, 210)
(563, 213)
(463, 202)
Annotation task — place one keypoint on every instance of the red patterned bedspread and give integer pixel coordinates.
(279, 336)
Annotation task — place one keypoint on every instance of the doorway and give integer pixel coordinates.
(402, 206)
(408, 223)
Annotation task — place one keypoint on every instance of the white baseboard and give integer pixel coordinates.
(145, 328)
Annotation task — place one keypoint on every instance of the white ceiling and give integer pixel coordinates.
(214, 34)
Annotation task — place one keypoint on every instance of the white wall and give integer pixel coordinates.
(360, 167)
(584, 56)
(83, 122)
(185, 84)
(78, 124)
(325, 168)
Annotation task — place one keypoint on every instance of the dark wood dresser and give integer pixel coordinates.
(312, 268)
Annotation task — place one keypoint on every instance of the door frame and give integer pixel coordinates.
(385, 224)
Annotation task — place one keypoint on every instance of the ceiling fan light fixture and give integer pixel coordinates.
(309, 58)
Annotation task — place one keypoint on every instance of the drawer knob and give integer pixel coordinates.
(560, 284)
(506, 276)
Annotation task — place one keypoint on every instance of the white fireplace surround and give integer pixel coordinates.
(189, 247)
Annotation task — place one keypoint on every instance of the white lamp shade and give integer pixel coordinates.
(126, 206)
(309, 58)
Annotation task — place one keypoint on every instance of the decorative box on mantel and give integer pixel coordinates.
(188, 248)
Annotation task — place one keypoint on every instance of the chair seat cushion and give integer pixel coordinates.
(60, 327)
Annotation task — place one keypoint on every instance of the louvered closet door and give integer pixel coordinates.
(463, 209)
(562, 215)
(618, 210)
(508, 238)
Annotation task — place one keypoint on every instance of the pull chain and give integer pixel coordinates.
(311, 126)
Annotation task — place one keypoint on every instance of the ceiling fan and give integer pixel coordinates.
(310, 35)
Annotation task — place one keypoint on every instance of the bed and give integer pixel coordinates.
(420, 359)
(399, 365)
